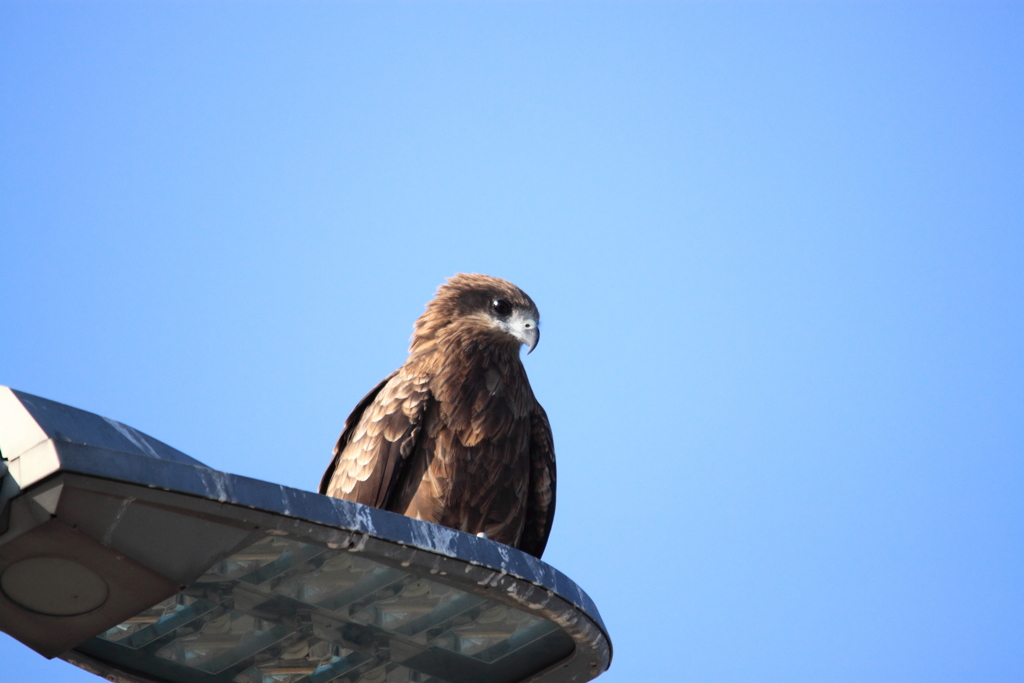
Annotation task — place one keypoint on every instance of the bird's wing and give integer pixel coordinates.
(540, 505)
(378, 438)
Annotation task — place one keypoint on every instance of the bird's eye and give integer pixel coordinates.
(501, 307)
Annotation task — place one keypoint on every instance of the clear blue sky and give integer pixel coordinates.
(778, 250)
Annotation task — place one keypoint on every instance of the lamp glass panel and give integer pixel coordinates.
(284, 611)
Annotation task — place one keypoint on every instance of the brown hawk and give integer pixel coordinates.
(455, 435)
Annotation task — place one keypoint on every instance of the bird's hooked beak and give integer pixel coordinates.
(524, 327)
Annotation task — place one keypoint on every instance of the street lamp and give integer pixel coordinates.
(134, 561)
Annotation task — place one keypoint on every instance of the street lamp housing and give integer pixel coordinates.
(128, 558)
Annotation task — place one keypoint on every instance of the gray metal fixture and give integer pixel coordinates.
(136, 562)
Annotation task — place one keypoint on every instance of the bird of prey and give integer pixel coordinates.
(455, 435)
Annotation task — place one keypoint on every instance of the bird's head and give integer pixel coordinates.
(480, 307)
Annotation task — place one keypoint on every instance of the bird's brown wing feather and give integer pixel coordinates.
(540, 506)
(346, 432)
(377, 440)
